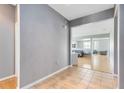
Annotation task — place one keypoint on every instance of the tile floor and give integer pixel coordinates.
(78, 78)
(10, 83)
(96, 62)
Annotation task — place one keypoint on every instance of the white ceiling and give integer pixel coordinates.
(73, 11)
(102, 27)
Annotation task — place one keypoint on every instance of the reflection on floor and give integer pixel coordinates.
(102, 63)
(97, 62)
(84, 62)
(78, 78)
(9, 83)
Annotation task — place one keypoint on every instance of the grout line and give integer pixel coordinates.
(91, 78)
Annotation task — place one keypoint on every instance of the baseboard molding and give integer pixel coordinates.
(7, 77)
(44, 78)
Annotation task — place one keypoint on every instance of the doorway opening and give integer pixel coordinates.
(92, 46)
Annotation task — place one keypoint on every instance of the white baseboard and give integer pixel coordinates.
(44, 78)
(7, 77)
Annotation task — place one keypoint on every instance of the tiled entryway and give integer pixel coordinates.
(79, 78)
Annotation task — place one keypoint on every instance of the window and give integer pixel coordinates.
(86, 45)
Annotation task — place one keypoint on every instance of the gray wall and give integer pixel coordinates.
(106, 14)
(115, 44)
(7, 26)
(121, 46)
(44, 42)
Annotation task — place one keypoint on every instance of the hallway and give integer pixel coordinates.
(78, 78)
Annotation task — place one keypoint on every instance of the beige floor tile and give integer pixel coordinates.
(78, 78)
(10, 83)
(94, 85)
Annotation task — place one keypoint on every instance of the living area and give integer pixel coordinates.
(92, 45)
